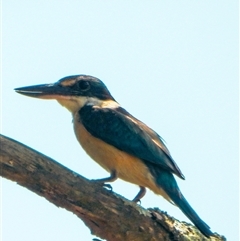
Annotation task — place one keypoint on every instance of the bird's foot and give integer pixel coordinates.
(140, 194)
(137, 201)
(108, 186)
(102, 183)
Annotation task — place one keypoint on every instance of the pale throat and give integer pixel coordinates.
(75, 103)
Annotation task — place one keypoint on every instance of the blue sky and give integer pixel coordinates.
(172, 64)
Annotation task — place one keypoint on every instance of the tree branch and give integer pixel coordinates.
(108, 215)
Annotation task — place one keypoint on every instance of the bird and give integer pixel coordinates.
(123, 145)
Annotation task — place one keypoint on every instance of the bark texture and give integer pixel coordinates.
(106, 214)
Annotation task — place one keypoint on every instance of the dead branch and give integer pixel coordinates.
(108, 215)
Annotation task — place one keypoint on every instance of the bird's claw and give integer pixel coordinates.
(137, 200)
(108, 186)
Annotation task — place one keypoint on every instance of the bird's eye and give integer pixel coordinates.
(84, 85)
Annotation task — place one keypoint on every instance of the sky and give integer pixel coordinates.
(172, 64)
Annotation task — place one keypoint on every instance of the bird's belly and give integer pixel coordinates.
(127, 167)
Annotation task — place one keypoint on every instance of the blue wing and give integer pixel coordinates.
(120, 129)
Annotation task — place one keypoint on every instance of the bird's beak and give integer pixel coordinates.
(44, 91)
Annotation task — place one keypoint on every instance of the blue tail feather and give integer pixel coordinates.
(168, 183)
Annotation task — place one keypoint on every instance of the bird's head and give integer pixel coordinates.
(72, 92)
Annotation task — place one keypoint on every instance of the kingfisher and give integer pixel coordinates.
(123, 145)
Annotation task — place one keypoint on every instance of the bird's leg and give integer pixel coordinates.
(113, 177)
(140, 194)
